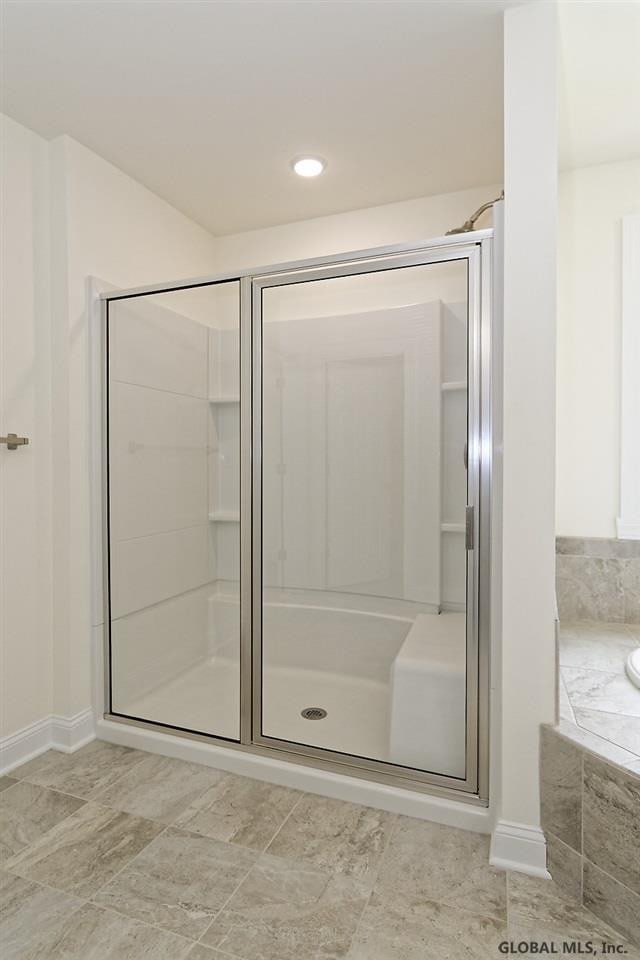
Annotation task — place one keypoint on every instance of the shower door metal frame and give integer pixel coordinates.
(475, 246)
(474, 781)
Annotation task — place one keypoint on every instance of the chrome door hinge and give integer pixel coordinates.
(469, 528)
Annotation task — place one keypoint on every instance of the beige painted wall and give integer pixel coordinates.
(103, 224)
(120, 232)
(592, 201)
(25, 474)
(407, 221)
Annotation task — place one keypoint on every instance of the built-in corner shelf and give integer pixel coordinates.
(223, 400)
(449, 385)
(224, 516)
(452, 527)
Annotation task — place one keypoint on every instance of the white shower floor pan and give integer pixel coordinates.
(204, 699)
(357, 695)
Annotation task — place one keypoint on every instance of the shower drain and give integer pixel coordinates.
(313, 713)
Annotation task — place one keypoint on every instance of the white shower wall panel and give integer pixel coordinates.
(162, 549)
(224, 357)
(153, 346)
(351, 425)
(454, 341)
(224, 442)
(454, 582)
(454, 432)
(147, 570)
(224, 621)
(224, 462)
(364, 474)
(158, 461)
(152, 646)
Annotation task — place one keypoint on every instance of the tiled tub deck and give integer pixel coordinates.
(595, 693)
(115, 854)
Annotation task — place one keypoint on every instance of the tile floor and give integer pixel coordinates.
(595, 692)
(115, 854)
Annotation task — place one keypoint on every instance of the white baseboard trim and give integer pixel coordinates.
(67, 734)
(519, 847)
(70, 733)
(27, 743)
(339, 786)
(627, 529)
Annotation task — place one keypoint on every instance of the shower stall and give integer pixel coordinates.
(297, 487)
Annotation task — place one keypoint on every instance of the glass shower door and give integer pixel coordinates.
(173, 413)
(365, 631)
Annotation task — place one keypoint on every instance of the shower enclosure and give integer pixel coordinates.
(297, 490)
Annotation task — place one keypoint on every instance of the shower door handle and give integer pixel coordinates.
(13, 441)
(469, 527)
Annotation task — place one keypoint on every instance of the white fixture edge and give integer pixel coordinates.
(66, 734)
(326, 783)
(628, 523)
(520, 847)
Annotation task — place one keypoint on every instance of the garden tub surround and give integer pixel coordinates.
(598, 579)
(590, 814)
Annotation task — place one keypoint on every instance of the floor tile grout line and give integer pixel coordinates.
(66, 793)
(145, 923)
(224, 906)
(55, 826)
(259, 855)
(91, 901)
(84, 902)
(81, 902)
(224, 953)
(356, 929)
(60, 793)
(610, 876)
(492, 918)
(596, 749)
(609, 713)
(574, 902)
(393, 827)
(189, 803)
(368, 898)
(44, 836)
(566, 693)
(144, 755)
(600, 736)
(446, 903)
(74, 796)
(330, 872)
(129, 862)
(303, 794)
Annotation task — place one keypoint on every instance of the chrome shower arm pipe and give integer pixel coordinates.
(469, 224)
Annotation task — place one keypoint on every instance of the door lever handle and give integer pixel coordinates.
(13, 441)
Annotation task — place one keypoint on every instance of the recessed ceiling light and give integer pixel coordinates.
(309, 166)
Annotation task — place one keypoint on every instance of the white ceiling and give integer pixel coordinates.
(206, 102)
(599, 82)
